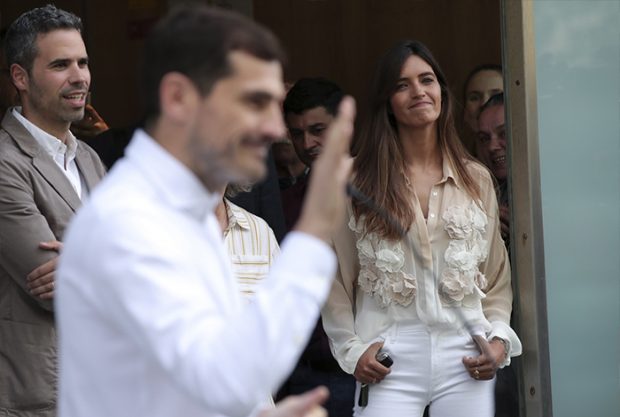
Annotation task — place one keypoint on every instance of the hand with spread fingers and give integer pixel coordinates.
(40, 282)
(485, 366)
(307, 404)
(368, 370)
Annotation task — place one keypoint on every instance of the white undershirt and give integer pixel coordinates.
(62, 154)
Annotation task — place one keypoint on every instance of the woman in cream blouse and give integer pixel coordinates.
(412, 295)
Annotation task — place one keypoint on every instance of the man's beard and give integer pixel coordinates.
(51, 110)
(212, 166)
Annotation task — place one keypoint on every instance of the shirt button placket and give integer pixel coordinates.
(432, 207)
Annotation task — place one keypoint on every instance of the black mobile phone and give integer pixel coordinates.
(384, 359)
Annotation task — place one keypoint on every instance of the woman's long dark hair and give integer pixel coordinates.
(379, 162)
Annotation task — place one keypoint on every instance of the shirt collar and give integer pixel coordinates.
(174, 181)
(236, 216)
(449, 173)
(51, 144)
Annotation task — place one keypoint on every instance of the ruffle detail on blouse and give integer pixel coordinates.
(381, 268)
(467, 249)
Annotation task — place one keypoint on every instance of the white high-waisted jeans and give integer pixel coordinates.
(428, 369)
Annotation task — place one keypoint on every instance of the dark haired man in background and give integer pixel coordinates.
(309, 109)
(45, 175)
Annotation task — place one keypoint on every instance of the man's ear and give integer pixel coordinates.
(178, 97)
(19, 77)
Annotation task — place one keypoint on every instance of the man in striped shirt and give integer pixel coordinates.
(250, 242)
(251, 245)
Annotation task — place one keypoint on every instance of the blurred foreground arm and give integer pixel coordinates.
(227, 358)
(305, 405)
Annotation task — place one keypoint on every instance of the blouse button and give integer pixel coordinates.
(432, 216)
(434, 193)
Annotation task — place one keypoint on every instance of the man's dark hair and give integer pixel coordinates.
(195, 40)
(20, 46)
(308, 93)
(494, 100)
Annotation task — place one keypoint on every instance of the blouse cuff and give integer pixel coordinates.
(505, 332)
(353, 356)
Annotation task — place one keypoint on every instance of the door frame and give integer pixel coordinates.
(527, 245)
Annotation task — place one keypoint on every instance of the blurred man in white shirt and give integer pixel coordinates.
(151, 320)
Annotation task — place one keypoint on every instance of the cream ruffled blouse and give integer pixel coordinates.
(455, 259)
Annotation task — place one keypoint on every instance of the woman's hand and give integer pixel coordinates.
(485, 366)
(368, 370)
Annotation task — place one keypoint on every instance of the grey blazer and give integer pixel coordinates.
(36, 203)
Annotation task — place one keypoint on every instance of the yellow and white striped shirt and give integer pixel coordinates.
(252, 247)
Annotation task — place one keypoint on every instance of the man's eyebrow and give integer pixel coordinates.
(65, 61)
(258, 95)
(58, 61)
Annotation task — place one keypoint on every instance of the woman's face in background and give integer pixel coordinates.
(480, 88)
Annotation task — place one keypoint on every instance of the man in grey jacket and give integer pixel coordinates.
(45, 175)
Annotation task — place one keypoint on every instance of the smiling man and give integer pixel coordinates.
(45, 174)
(492, 149)
(150, 315)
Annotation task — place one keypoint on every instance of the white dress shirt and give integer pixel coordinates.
(62, 154)
(151, 322)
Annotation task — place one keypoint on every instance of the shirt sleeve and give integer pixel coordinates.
(179, 310)
(337, 314)
(497, 305)
(265, 341)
